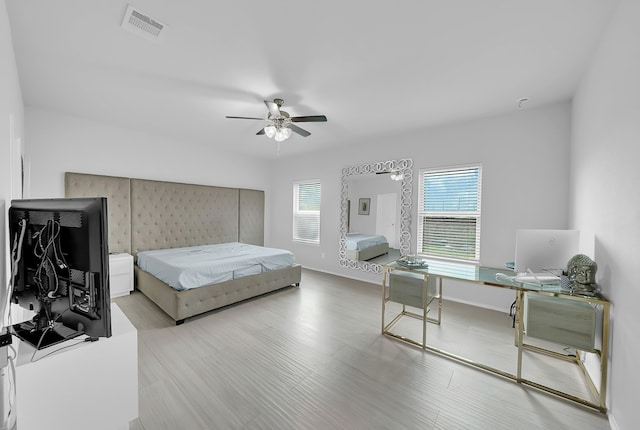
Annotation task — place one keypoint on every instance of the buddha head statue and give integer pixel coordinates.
(582, 270)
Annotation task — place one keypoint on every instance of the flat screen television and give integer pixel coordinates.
(543, 250)
(60, 268)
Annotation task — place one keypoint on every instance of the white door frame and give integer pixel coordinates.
(387, 216)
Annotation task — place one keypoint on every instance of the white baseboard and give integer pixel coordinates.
(342, 275)
(612, 423)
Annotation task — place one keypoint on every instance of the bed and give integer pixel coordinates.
(195, 266)
(149, 215)
(364, 247)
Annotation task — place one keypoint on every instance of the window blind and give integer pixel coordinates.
(449, 213)
(306, 211)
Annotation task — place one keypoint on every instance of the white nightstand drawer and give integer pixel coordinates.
(120, 274)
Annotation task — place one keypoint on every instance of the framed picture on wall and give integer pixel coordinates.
(364, 206)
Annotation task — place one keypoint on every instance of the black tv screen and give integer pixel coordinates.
(60, 268)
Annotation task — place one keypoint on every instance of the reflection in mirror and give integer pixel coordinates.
(375, 214)
(373, 227)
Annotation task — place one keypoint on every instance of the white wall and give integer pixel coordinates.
(605, 152)
(58, 143)
(11, 107)
(524, 155)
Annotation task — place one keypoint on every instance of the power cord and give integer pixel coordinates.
(87, 339)
(16, 256)
(11, 417)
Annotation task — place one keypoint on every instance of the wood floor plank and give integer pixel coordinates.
(163, 406)
(313, 357)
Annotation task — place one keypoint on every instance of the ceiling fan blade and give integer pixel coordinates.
(301, 131)
(260, 132)
(311, 118)
(274, 109)
(244, 117)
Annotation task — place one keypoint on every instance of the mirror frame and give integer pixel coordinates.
(405, 167)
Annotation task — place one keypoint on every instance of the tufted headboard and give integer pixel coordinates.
(118, 193)
(251, 217)
(169, 214)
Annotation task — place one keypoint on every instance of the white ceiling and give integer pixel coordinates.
(372, 67)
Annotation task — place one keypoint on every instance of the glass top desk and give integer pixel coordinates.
(503, 278)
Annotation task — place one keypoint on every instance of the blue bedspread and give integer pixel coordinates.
(196, 266)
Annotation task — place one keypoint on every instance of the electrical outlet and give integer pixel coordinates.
(5, 339)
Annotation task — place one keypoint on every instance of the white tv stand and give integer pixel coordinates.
(90, 385)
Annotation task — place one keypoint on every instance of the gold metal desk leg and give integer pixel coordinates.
(384, 295)
(439, 300)
(425, 304)
(604, 356)
(519, 331)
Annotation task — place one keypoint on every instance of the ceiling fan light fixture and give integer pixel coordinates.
(270, 131)
(396, 176)
(280, 135)
(278, 132)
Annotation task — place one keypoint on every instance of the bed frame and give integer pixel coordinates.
(368, 253)
(145, 214)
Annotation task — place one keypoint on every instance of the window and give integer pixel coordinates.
(306, 212)
(449, 213)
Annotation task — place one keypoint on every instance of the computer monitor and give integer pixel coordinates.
(545, 250)
(60, 268)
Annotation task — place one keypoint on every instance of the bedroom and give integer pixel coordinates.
(579, 171)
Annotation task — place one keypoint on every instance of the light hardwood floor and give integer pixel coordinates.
(313, 358)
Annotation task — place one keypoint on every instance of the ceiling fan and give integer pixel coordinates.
(396, 175)
(280, 123)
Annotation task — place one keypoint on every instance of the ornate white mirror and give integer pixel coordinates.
(375, 214)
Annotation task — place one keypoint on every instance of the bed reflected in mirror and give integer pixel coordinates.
(375, 214)
(373, 230)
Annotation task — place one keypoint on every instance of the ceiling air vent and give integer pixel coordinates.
(142, 24)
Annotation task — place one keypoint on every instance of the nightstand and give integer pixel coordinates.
(120, 274)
